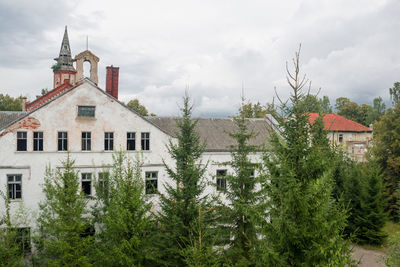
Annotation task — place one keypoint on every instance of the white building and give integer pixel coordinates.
(79, 118)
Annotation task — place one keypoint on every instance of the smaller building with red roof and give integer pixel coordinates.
(353, 136)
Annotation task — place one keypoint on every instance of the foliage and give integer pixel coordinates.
(56, 66)
(11, 253)
(242, 215)
(137, 107)
(42, 92)
(393, 260)
(305, 222)
(62, 224)
(185, 196)
(386, 149)
(395, 93)
(313, 104)
(125, 226)
(9, 103)
(250, 110)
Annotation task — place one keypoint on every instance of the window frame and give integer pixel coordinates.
(85, 179)
(221, 179)
(108, 141)
(131, 141)
(82, 113)
(149, 180)
(63, 140)
(86, 141)
(12, 194)
(145, 141)
(37, 138)
(23, 139)
(340, 138)
(103, 182)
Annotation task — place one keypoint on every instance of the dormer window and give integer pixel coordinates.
(86, 111)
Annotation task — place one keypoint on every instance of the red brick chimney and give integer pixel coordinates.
(112, 81)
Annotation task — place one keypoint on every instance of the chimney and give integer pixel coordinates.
(24, 103)
(112, 81)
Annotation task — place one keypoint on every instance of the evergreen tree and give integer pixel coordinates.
(125, 227)
(11, 253)
(305, 223)
(243, 212)
(62, 222)
(184, 199)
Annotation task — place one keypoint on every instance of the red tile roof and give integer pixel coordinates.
(47, 97)
(338, 123)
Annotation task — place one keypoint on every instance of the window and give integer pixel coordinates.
(23, 239)
(151, 182)
(252, 173)
(86, 141)
(86, 111)
(103, 183)
(130, 141)
(108, 141)
(14, 182)
(21, 141)
(62, 141)
(37, 141)
(340, 138)
(145, 141)
(221, 180)
(87, 184)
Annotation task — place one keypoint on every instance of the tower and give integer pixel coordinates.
(64, 70)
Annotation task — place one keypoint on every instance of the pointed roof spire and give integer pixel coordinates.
(65, 60)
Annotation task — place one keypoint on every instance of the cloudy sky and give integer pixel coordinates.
(349, 48)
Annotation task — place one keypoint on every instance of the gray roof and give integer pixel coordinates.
(215, 131)
(6, 117)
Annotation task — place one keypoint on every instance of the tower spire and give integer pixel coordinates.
(64, 60)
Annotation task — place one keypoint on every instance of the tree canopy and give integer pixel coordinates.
(9, 103)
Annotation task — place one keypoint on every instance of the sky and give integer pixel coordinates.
(218, 50)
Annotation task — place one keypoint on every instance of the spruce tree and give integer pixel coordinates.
(243, 212)
(184, 198)
(11, 253)
(304, 224)
(125, 228)
(63, 219)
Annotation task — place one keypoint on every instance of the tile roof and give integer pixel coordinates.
(7, 117)
(215, 131)
(47, 97)
(334, 122)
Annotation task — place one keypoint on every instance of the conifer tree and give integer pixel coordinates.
(184, 198)
(304, 224)
(243, 212)
(62, 221)
(11, 253)
(126, 226)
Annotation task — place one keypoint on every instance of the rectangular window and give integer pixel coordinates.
(37, 141)
(130, 141)
(145, 141)
(221, 180)
(87, 184)
(103, 182)
(340, 138)
(21, 141)
(108, 141)
(23, 239)
(86, 141)
(62, 141)
(86, 111)
(151, 182)
(14, 183)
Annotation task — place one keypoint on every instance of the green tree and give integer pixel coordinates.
(386, 149)
(250, 110)
(393, 251)
(305, 223)
(126, 225)
(42, 92)
(395, 93)
(311, 103)
(184, 198)
(242, 216)
(378, 109)
(11, 253)
(62, 239)
(136, 106)
(8, 103)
